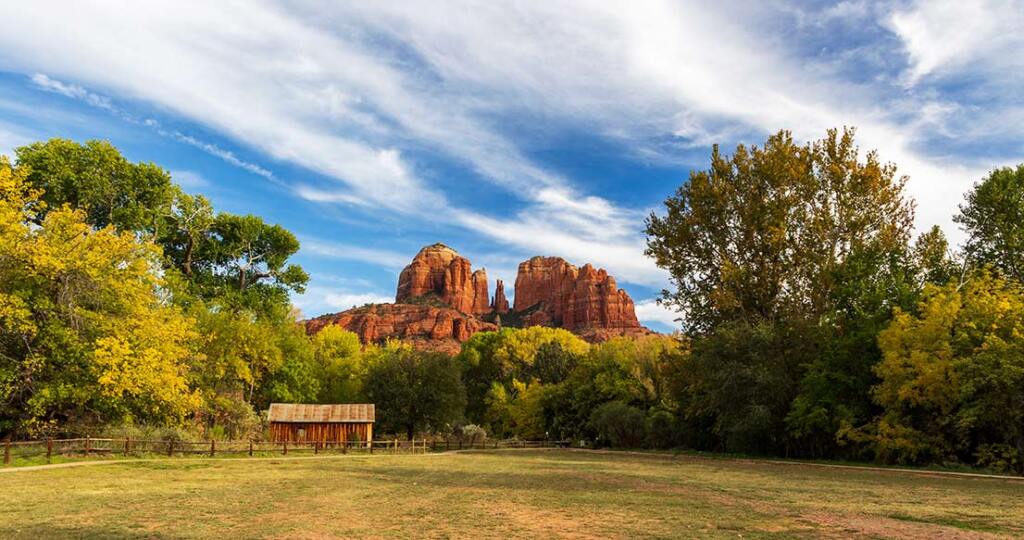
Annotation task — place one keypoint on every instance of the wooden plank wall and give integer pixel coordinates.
(323, 432)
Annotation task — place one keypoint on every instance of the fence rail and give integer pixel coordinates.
(447, 444)
(88, 447)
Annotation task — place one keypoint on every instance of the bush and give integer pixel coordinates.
(230, 417)
(472, 433)
(662, 430)
(618, 425)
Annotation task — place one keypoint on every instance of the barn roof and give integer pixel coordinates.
(342, 413)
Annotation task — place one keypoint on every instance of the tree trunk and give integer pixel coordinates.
(1019, 443)
(188, 256)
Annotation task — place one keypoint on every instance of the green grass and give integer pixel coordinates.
(555, 493)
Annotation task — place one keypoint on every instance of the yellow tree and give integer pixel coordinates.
(952, 376)
(86, 333)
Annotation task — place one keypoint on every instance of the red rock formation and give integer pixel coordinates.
(544, 284)
(428, 327)
(596, 302)
(500, 303)
(553, 292)
(440, 270)
(549, 292)
(480, 294)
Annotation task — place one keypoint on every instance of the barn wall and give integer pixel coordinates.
(311, 432)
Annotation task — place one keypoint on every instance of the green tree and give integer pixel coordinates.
(414, 390)
(618, 424)
(634, 372)
(933, 261)
(762, 234)
(239, 261)
(552, 363)
(340, 364)
(506, 356)
(526, 411)
(186, 234)
(788, 236)
(993, 217)
(740, 382)
(247, 263)
(95, 178)
(297, 379)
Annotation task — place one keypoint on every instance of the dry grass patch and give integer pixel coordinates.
(511, 494)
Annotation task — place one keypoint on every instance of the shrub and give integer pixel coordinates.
(618, 424)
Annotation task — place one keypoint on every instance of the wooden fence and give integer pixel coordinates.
(88, 447)
(447, 444)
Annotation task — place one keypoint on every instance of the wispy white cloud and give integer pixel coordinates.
(327, 196)
(12, 137)
(217, 151)
(190, 180)
(72, 91)
(99, 101)
(319, 300)
(649, 311)
(948, 34)
(535, 231)
(348, 91)
(332, 250)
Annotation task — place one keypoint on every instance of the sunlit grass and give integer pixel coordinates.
(497, 494)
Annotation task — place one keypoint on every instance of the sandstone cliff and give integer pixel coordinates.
(552, 292)
(440, 271)
(440, 302)
(500, 304)
(429, 327)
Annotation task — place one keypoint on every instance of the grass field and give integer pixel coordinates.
(535, 494)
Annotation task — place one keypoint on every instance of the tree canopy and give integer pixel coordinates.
(993, 218)
(95, 178)
(769, 231)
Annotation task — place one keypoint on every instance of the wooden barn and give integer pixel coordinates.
(297, 422)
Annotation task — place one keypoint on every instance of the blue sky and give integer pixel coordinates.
(505, 130)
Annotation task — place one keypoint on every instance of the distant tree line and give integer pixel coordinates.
(815, 324)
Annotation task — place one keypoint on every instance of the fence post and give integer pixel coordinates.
(316, 448)
(127, 443)
(170, 447)
(7, 451)
(250, 447)
(49, 448)
(344, 447)
(285, 448)
(371, 446)
(213, 448)
(88, 445)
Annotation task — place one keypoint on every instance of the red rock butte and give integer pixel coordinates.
(440, 302)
